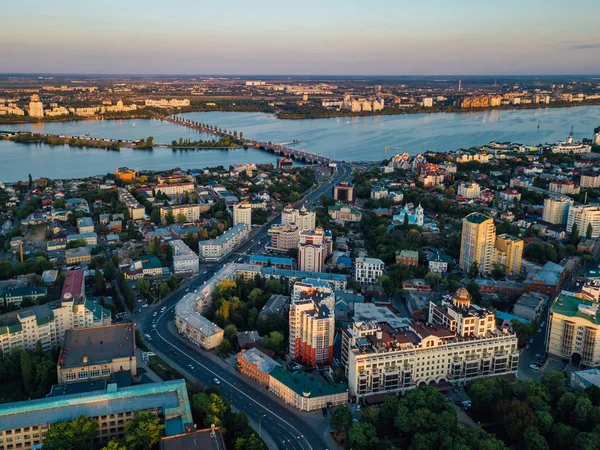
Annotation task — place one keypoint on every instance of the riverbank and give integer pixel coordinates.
(140, 114)
(53, 141)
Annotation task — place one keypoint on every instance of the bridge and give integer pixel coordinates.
(283, 150)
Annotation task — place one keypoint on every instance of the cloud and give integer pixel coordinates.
(583, 46)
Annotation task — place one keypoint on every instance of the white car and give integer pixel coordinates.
(155, 314)
(217, 381)
(145, 305)
(191, 367)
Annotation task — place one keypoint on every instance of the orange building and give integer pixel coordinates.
(125, 175)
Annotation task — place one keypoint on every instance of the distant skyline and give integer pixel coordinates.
(332, 37)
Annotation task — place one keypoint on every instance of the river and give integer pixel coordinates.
(347, 138)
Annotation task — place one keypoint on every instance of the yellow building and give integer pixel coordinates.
(78, 255)
(509, 253)
(574, 330)
(477, 243)
(242, 213)
(125, 175)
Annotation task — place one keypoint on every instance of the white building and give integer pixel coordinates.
(306, 220)
(590, 180)
(556, 210)
(192, 212)
(284, 237)
(163, 103)
(469, 190)
(582, 216)
(136, 211)
(311, 250)
(368, 270)
(242, 213)
(215, 249)
(36, 107)
(185, 261)
(568, 146)
(427, 102)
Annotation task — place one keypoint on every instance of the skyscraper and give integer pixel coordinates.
(311, 250)
(556, 210)
(477, 243)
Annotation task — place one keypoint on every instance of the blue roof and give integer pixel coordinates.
(304, 274)
(273, 259)
(506, 316)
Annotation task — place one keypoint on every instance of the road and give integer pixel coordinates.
(286, 428)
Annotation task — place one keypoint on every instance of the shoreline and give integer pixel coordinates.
(321, 114)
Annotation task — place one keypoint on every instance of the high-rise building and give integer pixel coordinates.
(36, 107)
(312, 250)
(584, 216)
(306, 220)
(477, 242)
(508, 252)
(556, 210)
(242, 213)
(469, 190)
(284, 237)
(344, 192)
(312, 322)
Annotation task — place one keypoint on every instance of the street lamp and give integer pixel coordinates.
(259, 430)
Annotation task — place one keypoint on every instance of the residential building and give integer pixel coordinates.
(185, 261)
(556, 210)
(78, 255)
(378, 192)
(24, 424)
(90, 354)
(302, 391)
(311, 250)
(192, 212)
(570, 147)
(547, 281)
(508, 252)
(530, 306)
(207, 439)
(36, 107)
(277, 304)
(164, 103)
(459, 343)
(256, 365)
(284, 237)
(172, 189)
(136, 211)
(125, 175)
(242, 213)
(192, 325)
(344, 213)
(14, 296)
(574, 332)
(344, 193)
(85, 225)
(584, 216)
(590, 180)
(477, 242)
(304, 219)
(215, 249)
(438, 262)
(89, 238)
(563, 187)
(368, 270)
(407, 257)
(312, 322)
(469, 190)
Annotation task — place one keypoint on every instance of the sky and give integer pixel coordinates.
(326, 37)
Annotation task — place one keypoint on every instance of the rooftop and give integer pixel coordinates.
(73, 284)
(306, 385)
(477, 218)
(570, 306)
(207, 439)
(549, 275)
(97, 345)
(263, 363)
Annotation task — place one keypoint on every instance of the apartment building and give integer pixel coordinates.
(185, 261)
(304, 219)
(584, 216)
(95, 353)
(242, 213)
(459, 343)
(368, 270)
(14, 296)
(563, 187)
(311, 250)
(407, 257)
(590, 180)
(469, 190)
(215, 249)
(312, 322)
(24, 424)
(344, 193)
(164, 103)
(508, 252)
(574, 331)
(192, 212)
(136, 211)
(85, 225)
(556, 210)
(89, 238)
(192, 325)
(284, 237)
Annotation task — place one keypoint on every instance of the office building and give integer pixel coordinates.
(24, 424)
(344, 193)
(311, 250)
(459, 343)
(312, 322)
(469, 190)
(136, 211)
(303, 218)
(242, 213)
(215, 249)
(256, 365)
(556, 210)
(584, 216)
(574, 332)
(192, 212)
(36, 107)
(284, 237)
(304, 392)
(185, 261)
(91, 354)
(368, 270)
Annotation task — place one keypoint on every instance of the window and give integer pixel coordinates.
(70, 376)
(83, 375)
(105, 371)
(94, 373)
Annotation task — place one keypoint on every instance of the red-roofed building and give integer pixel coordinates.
(74, 287)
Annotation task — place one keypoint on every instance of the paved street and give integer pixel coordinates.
(288, 428)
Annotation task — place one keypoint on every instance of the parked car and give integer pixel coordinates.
(217, 381)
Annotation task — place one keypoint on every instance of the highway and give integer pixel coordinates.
(286, 428)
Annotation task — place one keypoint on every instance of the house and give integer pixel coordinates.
(407, 257)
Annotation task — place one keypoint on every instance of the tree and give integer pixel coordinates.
(516, 417)
(369, 415)
(170, 218)
(76, 243)
(362, 435)
(589, 231)
(74, 434)
(473, 270)
(155, 215)
(274, 341)
(574, 238)
(498, 271)
(433, 279)
(341, 419)
(143, 432)
(164, 289)
(143, 286)
(181, 219)
(230, 332)
(534, 440)
(114, 445)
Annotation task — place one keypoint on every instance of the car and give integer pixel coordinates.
(140, 300)
(532, 366)
(531, 340)
(355, 420)
(145, 305)
(358, 407)
(155, 314)
(205, 272)
(217, 381)
(527, 347)
(191, 367)
(147, 336)
(539, 330)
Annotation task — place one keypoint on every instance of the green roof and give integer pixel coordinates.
(570, 306)
(10, 329)
(150, 262)
(305, 385)
(339, 206)
(408, 254)
(477, 218)
(22, 291)
(46, 319)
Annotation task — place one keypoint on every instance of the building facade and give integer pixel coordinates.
(477, 242)
(469, 190)
(344, 193)
(242, 213)
(215, 249)
(311, 250)
(556, 210)
(304, 219)
(584, 216)
(256, 365)
(135, 209)
(185, 261)
(284, 237)
(192, 212)
(368, 270)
